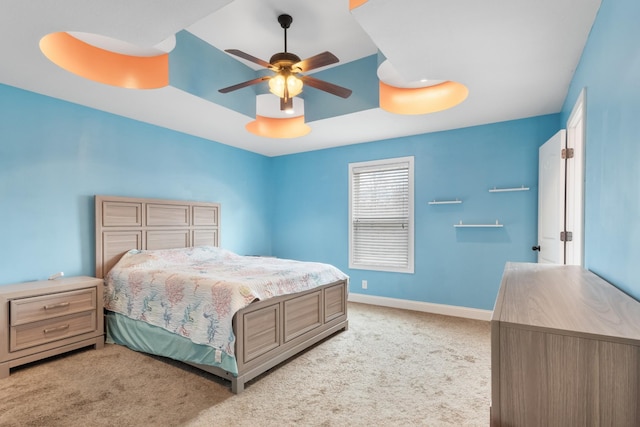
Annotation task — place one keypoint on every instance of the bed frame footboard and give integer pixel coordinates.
(272, 331)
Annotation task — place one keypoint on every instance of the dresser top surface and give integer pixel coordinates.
(565, 298)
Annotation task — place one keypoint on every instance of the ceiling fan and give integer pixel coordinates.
(287, 81)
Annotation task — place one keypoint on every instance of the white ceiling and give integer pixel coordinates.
(517, 57)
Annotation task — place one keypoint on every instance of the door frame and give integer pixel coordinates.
(575, 181)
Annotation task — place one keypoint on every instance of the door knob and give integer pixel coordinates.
(535, 248)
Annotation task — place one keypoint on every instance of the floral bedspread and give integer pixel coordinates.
(194, 292)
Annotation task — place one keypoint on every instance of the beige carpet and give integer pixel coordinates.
(392, 367)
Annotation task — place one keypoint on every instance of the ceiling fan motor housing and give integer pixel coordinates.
(284, 60)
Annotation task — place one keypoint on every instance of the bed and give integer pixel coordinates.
(262, 327)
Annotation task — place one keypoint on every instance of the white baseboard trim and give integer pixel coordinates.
(426, 307)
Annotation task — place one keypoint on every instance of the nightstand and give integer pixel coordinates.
(49, 317)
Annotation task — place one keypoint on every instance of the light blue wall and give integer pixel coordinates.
(610, 71)
(55, 156)
(459, 267)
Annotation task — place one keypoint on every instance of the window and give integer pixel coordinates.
(381, 215)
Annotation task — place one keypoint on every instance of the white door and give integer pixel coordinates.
(551, 202)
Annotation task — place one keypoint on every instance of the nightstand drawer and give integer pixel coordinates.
(44, 331)
(33, 309)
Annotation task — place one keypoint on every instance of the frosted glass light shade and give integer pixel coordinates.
(276, 85)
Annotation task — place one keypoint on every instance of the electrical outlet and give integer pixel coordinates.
(364, 284)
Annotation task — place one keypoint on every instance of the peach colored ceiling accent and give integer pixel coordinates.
(271, 127)
(422, 100)
(355, 3)
(103, 66)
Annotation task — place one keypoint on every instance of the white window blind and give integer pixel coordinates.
(382, 215)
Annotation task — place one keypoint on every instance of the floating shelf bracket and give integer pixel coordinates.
(445, 202)
(497, 224)
(504, 190)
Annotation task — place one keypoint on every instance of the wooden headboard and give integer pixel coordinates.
(124, 223)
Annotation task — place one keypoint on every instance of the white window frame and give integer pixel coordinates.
(382, 165)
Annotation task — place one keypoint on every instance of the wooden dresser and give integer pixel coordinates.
(45, 318)
(565, 350)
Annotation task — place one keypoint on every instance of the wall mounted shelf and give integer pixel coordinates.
(497, 224)
(445, 202)
(504, 190)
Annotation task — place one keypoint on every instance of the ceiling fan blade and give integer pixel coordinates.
(286, 104)
(316, 61)
(244, 84)
(340, 91)
(248, 57)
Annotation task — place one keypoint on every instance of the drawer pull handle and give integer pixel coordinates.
(59, 305)
(56, 329)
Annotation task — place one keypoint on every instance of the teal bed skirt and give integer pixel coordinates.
(141, 336)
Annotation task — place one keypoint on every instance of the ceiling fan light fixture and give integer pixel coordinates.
(277, 83)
